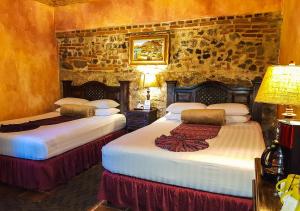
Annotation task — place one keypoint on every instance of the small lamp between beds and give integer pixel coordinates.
(149, 80)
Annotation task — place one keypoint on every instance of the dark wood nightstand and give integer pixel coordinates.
(136, 119)
(290, 144)
(265, 196)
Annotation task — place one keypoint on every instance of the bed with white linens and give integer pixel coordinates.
(51, 140)
(140, 175)
(41, 152)
(226, 167)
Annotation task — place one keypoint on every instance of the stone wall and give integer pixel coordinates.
(231, 49)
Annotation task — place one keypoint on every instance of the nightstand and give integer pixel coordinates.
(290, 144)
(265, 196)
(136, 119)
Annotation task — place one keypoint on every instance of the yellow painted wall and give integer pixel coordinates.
(290, 37)
(100, 13)
(290, 34)
(28, 59)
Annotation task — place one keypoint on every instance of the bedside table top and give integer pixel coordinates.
(143, 110)
(266, 197)
(295, 122)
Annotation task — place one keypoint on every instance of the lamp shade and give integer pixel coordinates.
(280, 85)
(149, 80)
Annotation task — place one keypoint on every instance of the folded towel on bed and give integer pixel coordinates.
(203, 116)
(196, 131)
(35, 124)
(188, 138)
(180, 143)
(77, 110)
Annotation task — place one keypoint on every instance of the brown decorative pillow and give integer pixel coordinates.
(77, 110)
(203, 116)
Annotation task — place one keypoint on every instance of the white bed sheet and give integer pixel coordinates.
(226, 167)
(51, 140)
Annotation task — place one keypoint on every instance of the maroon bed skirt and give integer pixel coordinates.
(46, 174)
(139, 194)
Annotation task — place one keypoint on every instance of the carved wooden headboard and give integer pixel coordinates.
(211, 92)
(94, 90)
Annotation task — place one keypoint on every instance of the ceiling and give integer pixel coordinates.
(57, 3)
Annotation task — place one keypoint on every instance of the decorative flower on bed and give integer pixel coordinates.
(188, 138)
(180, 143)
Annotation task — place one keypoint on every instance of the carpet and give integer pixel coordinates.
(80, 193)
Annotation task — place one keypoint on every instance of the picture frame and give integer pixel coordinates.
(149, 49)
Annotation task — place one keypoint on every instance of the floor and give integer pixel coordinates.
(80, 193)
(102, 206)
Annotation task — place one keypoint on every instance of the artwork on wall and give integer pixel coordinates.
(149, 49)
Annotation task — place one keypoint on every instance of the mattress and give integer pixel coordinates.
(51, 140)
(226, 167)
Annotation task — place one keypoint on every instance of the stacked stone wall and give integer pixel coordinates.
(230, 49)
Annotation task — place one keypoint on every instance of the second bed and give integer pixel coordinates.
(140, 175)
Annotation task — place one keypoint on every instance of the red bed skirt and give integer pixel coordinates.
(139, 194)
(44, 175)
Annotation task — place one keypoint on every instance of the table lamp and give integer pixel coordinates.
(281, 85)
(149, 81)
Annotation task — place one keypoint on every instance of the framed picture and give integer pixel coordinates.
(149, 50)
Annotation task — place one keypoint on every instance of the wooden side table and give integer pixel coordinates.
(290, 143)
(265, 196)
(136, 119)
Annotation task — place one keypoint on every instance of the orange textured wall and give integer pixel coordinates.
(28, 59)
(290, 34)
(290, 38)
(126, 12)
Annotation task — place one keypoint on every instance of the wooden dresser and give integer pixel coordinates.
(265, 197)
(136, 119)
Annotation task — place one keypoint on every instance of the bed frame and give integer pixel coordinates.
(212, 92)
(44, 175)
(140, 194)
(94, 90)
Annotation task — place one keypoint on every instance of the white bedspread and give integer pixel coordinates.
(48, 141)
(226, 167)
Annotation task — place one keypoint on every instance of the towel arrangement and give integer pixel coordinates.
(188, 137)
(35, 124)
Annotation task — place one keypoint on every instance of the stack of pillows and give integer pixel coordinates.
(83, 108)
(215, 114)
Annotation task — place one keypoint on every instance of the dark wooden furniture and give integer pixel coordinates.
(265, 197)
(136, 119)
(211, 92)
(94, 90)
(290, 144)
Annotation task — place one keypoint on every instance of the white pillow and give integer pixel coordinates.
(237, 119)
(71, 100)
(231, 109)
(177, 108)
(173, 116)
(106, 111)
(104, 103)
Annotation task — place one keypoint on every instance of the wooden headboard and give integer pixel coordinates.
(211, 92)
(94, 90)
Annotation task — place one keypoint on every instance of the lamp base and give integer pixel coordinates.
(148, 93)
(147, 105)
(289, 112)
